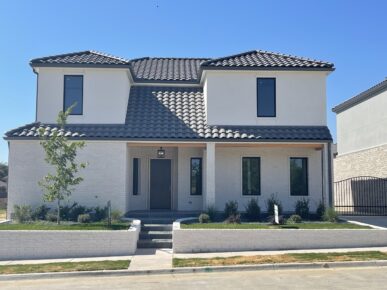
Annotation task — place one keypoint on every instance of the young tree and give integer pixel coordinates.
(61, 155)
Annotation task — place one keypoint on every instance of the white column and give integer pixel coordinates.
(326, 172)
(210, 175)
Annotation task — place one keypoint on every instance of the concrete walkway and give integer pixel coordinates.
(376, 221)
(151, 259)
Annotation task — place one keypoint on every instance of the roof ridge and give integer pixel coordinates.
(229, 56)
(163, 57)
(109, 55)
(293, 56)
(57, 55)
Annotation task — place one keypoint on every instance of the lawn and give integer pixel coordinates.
(285, 258)
(65, 226)
(65, 267)
(306, 225)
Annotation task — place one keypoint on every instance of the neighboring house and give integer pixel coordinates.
(362, 135)
(182, 133)
(3, 189)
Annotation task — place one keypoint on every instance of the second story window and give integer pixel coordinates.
(73, 94)
(266, 97)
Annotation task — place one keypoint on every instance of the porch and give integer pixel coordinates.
(183, 178)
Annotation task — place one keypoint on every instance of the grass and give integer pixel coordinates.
(285, 258)
(65, 226)
(306, 225)
(65, 267)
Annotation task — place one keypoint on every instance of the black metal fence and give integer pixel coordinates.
(363, 195)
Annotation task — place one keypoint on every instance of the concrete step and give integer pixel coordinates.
(156, 227)
(164, 220)
(162, 214)
(155, 235)
(155, 244)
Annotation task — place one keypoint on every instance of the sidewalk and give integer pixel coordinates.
(151, 259)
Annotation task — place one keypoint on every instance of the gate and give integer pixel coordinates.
(363, 195)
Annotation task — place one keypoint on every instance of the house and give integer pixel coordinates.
(182, 134)
(362, 135)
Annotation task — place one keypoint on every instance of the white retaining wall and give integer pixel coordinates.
(16, 245)
(203, 240)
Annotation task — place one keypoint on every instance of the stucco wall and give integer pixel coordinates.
(369, 162)
(105, 94)
(202, 240)
(363, 126)
(104, 177)
(231, 98)
(275, 175)
(67, 244)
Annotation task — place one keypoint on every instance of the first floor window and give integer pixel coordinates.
(196, 176)
(298, 176)
(73, 94)
(136, 175)
(251, 176)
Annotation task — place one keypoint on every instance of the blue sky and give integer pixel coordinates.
(351, 34)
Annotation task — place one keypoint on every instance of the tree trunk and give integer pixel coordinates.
(58, 217)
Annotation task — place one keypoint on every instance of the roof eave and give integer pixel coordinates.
(259, 68)
(79, 65)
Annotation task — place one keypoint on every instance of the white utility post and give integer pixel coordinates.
(210, 174)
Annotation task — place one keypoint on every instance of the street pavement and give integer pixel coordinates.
(348, 278)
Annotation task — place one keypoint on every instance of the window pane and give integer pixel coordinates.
(73, 94)
(136, 175)
(298, 176)
(196, 176)
(251, 179)
(266, 97)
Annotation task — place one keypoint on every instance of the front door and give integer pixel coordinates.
(160, 184)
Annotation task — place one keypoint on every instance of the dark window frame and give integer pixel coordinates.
(275, 98)
(259, 176)
(136, 176)
(201, 178)
(306, 175)
(64, 94)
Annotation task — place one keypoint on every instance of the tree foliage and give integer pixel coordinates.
(61, 155)
(3, 171)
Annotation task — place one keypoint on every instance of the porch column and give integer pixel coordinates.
(210, 175)
(327, 174)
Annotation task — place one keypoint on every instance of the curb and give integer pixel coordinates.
(187, 270)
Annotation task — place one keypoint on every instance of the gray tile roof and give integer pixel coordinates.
(367, 94)
(173, 113)
(88, 57)
(167, 69)
(264, 59)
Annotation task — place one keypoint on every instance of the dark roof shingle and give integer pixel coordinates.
(265, 59)
(165, 113)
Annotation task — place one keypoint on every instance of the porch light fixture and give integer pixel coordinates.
(161, 153)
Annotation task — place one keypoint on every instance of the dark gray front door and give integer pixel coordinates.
(160, 184)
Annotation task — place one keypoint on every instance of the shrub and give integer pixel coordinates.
(253, 211)
(65, 211)
(211, 212)
(231, 208)
(330, 215)
(84, 218)
(271, 201)
(51, 216)
(204, 218)
(40, 212)
(320, 210)
(99, 213)
(22, 213)
(302, 208)
(116, 215)
(294, 219)
(233, 219)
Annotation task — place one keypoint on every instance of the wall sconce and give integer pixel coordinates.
(161, 153)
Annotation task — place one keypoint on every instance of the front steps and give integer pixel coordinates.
(155, 236)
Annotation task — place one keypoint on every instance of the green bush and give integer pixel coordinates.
(40, 212)
(76, 210)
(204, 218)
(330, 215)
(211, 212)
(51, 216)
(116, 215)
(233, 219)
(294, 219)
(22, 213)
(99, 213)
(65, 211)
(320, 210)
(271, 201)
(253, 211)
(231, 208)
(84, 218)
(302, 208)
